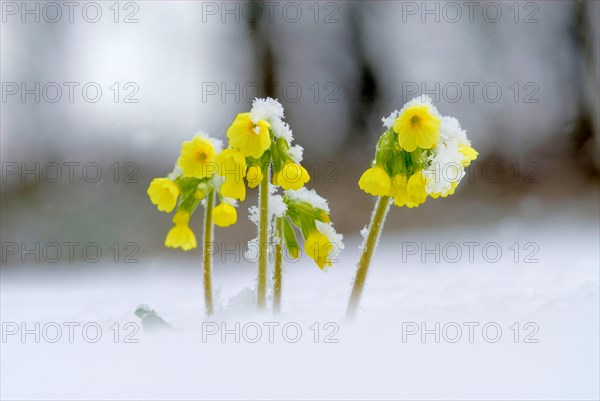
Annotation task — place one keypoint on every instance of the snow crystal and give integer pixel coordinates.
(451, 131)
(388, 121)
(254, 215)
(251, 252)
(266, 109)
(308, 196)
(445, 164)
(277, 206)
(364, 232)
(281, 129)
(295, 153)
(444, 169)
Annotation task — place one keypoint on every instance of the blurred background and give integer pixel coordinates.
(97, 99)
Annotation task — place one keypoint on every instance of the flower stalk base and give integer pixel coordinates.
(263, 233)
(278, 269)
(207, 253)
(375, 227)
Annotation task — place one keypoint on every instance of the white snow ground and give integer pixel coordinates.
(558, 296)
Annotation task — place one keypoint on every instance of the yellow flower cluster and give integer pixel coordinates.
(258, 141)
(194, 181)
(421, 154)
(255, 144)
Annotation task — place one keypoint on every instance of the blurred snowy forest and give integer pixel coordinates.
(523, 79)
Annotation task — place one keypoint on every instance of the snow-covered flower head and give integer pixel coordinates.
(259, 139)
(299, 208)
(302, 210)
(309, 212)
(420, 154)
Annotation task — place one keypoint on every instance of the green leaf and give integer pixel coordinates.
(289, 237)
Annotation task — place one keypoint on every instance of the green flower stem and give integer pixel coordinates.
(377, 220)
(263, 232)
(207, 252)
(278, 271)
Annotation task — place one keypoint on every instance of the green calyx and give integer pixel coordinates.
(191, 192)
(397, 161)
(279, 150)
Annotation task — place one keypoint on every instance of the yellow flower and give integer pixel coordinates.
(181, 236)
(415, 188)
(224, 215)
(469, 153)
(398, 185)
(231, 162)
(254, 175)
(291, 176)
(318, 247)
(409, 192)
(231, 165)
(417, 127)
(375, 181)
(399, 192)
(197, 158)
(163, 193)
(234, 189)
(251, 139)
